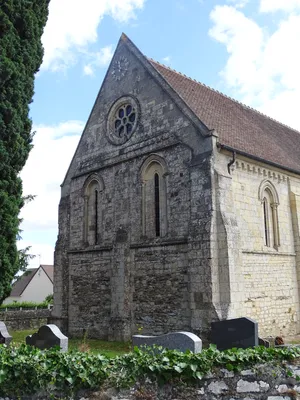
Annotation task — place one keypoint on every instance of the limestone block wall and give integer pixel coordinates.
(270, 287)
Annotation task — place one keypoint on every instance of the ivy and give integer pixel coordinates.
(26, 370)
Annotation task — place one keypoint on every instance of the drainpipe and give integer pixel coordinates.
(231, 162)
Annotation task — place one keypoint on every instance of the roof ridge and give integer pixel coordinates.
(223, 94)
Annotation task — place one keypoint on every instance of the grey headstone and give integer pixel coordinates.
(48, 336)
(5, 337)
(263, 342)
(181, 341)
(239, 332)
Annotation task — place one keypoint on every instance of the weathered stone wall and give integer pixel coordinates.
(24, 319)
(264, 382)
(131, 278)
(268, 287)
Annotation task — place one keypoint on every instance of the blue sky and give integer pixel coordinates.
(248, 49)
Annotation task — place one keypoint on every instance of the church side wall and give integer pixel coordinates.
(270, 288)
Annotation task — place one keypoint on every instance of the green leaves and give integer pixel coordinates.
(21, 28)
(26, 370)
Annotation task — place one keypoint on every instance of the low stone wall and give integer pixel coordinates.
(24, 319)
(264, 382)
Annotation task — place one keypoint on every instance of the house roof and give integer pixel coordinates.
(20, 285)
(23, 281)
(49, 270)
(239, 127)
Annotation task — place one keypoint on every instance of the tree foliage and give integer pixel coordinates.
(21, 27)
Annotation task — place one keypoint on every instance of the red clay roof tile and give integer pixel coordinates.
(237, 125)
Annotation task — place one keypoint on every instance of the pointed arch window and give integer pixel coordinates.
(92, 210)
(154, 199)
(270, 201)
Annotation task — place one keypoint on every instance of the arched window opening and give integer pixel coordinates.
(156, 204)
(92, 205)
(270, 201)
(266, 228)
(154, 199)
(96, 216)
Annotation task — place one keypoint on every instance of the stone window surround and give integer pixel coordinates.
(111, 118)
(93, 182)
(154, 164)
(269, 199)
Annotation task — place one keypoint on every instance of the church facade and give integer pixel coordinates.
(180, 207)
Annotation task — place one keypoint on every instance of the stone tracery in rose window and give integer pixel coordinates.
(124, 120)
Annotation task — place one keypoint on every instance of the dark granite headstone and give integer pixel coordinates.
(181, 341)
(5, 337)
(238, 332)
(263, 342)
(48, 336)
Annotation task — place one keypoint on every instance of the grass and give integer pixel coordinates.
(110, 349)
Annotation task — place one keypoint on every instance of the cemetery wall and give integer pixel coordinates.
(24, 319)
(264, 382)
(268, 275)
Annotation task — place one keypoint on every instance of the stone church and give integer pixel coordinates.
(181, 206)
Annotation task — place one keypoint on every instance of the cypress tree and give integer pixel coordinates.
(21, 27)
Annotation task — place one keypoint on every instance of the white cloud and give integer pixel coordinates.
(44, 171)
(238, 3)
(88, 70)
(72, 27)
(262, 67)
(98, 59)
(279, 5)
(167, 60)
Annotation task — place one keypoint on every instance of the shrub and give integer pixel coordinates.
(25, 304)
(27, 370)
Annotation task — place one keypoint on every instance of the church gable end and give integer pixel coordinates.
(127, 218)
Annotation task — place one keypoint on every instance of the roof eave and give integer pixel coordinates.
(256, 158)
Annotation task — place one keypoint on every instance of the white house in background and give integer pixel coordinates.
(34, 285)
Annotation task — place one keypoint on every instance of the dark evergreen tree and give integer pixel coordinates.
(21, 52)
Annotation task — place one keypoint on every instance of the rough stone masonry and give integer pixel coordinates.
(160, 227)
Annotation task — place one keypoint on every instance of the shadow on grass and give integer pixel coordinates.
(110, 349)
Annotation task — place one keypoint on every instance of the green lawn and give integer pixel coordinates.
(110, 349)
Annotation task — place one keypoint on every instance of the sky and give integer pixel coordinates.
(247, 49)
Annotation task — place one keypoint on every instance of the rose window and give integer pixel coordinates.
(124, 120)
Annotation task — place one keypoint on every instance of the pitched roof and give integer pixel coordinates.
(23, 281)
(49, 270)
(238, 126)
(20, 285)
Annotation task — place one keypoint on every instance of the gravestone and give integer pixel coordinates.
(48, 336)
(238, 332)
(5, 337)
(263, 342)
(180, 341)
